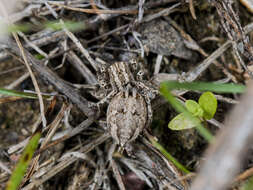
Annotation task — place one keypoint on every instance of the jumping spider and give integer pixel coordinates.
(129, 98)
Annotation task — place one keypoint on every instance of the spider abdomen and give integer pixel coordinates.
(126, 116)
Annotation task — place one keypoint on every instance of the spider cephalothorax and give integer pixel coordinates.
(129, 98)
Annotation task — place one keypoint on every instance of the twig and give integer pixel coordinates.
(191, 44)
(141, 10)
(34, 81)
(5, 168)
(32, 45)
(107, 33)
(192, 10)
(65, 163)
(164, 12)
(80, 46)
(244, 175)
(96, 11)
(18, 81)
(136, 37)
(84, 125)
(36, 86)
(192, 75)
(28, 11)
(59, 84)
(7, 71)
(158, 64)
(81, 67)
(49, 37)
(234, 30)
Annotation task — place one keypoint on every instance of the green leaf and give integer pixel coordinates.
(181, 122)
(208, 103)
(179, 107)
(20, 94)
(39, 56)
(18, 27)
(70, 25)
(204, 86)
(193, 107)
(23, 163)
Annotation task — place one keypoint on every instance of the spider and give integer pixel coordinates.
(129, 97)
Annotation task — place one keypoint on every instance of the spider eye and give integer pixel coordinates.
(140, 73)
(103, 84)
(102, 69)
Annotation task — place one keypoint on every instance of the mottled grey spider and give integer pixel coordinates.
(129, 98)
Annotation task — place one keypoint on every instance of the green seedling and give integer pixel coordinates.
(21, 167)
(168, 86)
(203, 110)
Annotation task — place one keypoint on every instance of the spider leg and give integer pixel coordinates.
(108, 98)
(146, 90)
(148, 94)
(103, 76)
(149, 113)
(104, 82)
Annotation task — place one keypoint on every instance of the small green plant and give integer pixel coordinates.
(167, 86)
(203, 110)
